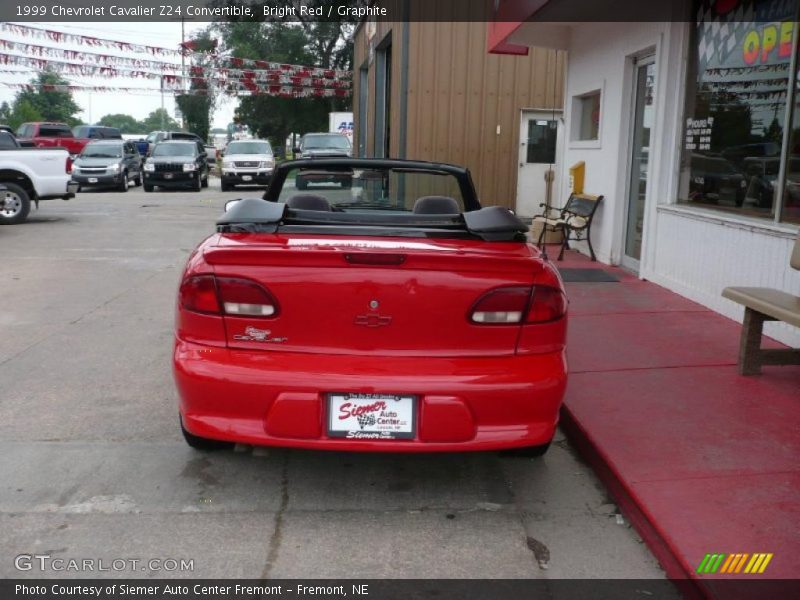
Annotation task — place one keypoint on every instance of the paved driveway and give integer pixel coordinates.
(92, 464)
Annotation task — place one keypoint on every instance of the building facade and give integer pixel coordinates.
(690, 129)
(430, 91)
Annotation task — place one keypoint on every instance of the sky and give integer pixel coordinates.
(95, 105)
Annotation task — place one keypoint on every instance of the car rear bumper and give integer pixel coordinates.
(279, 398)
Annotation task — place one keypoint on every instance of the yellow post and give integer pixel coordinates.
(577, 173)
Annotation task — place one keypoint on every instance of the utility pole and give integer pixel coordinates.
(183, 68)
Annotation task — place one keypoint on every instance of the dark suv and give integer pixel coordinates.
(176, 164)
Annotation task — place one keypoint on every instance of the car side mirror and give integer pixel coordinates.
(230, 204)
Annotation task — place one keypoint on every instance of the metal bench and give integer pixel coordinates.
(765, 304)
(574, 220)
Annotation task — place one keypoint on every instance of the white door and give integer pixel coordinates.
(540, 142)
(642, 122)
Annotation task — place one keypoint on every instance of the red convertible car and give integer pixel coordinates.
(387, 313)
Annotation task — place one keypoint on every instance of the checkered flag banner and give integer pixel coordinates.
(365, 420)
(721, 26)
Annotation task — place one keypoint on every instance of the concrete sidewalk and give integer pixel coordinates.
(700, 459)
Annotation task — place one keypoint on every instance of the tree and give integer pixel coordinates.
(49, 104)
(310, 43)
(5, 113)
(23, 112)
(125, 123)
(198, 105)
(159, 120)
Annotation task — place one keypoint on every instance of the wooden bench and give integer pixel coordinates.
(765, 304)
(574, 220)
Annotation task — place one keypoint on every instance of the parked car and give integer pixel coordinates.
(155, 137)
(176, 164)
(323, 145)
(715, 180)
(7, 140)
(247, 162)
(108, 163)
(51, 135)
(406, 320)
(96, 132)
(31, 175)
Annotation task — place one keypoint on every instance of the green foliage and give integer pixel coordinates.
(310, 43)
(159, 120)
(23, 112)
(5, 113)
(125, 123)
(48, 105)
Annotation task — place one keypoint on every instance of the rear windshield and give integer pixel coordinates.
(54, 131)
(326, 142)
(167, 149)
(385, 189)
(102, 151)
(249, 148)
(178, 135)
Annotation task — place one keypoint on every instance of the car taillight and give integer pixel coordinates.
(509, 305)
(226, 295)
(243, 297)
(547, 304)
(199, 294)
(501, 306)
(68, 166)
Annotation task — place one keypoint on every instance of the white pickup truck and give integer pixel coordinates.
(30, 175)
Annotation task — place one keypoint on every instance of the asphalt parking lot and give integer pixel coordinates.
(93, 466)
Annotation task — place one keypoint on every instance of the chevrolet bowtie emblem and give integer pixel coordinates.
(372, 320)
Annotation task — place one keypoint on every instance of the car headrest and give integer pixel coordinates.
(309, 202)
(436, 205)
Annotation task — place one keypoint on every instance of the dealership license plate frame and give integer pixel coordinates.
(364, 399)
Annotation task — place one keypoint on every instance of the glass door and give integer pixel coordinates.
(644, 82)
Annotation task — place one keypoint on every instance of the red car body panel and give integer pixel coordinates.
(369, 315)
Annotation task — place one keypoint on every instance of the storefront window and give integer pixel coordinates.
(791, 187)
(736, 102)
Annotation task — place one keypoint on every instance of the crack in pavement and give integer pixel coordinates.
(277, 533)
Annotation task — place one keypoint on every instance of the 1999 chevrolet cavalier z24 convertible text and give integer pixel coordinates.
(379, 309)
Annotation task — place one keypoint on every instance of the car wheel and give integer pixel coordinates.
(123, 185)
(225, 187)
(528, 451)
(198, 183)
(148, 188)
(15, 204)
(200, 443)
(204, 183)
(138, 181)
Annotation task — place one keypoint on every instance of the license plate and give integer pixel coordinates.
(372, 416)
(167, 175)
(247, 178)
(92, 179)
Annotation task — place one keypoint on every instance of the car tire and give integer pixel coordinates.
(124, 183)
(528, 451)
(198, 183)
(225, 187)
(148, 188)
(138, 181)
(204, 182)
(201, 443)
(15, 204)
